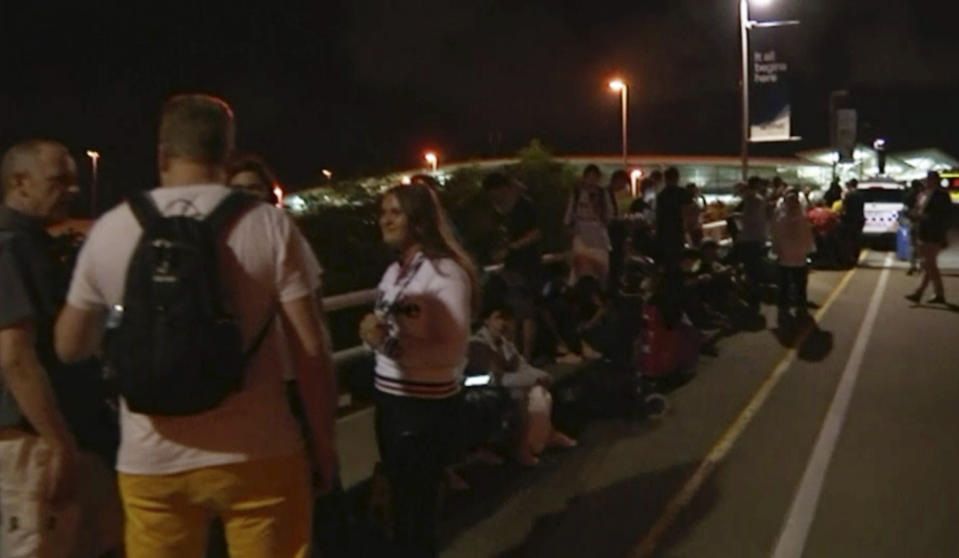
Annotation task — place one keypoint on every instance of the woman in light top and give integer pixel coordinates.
(420, 332)
(588, 213)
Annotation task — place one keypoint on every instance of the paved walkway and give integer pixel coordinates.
(884, 487)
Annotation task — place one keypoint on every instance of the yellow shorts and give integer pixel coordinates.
(265, 506)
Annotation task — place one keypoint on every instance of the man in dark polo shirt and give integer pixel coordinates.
(674, 213)
(853, 219)
(45, 479)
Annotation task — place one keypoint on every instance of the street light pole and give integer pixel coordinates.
(744, 87)
(620, 85)
(94, 158)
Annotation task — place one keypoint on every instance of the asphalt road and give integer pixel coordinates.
(803, 472)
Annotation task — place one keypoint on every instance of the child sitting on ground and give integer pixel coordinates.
(492, 349)
(718, 280)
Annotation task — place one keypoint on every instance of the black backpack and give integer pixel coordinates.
(176, 351)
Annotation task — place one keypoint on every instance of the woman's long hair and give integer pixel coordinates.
(430, 228)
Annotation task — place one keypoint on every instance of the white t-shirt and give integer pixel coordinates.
(268, 265)
(430, 319)
(316, 272)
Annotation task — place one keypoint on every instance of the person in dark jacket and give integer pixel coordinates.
(933, 208)
(833, 194)
(911, 205)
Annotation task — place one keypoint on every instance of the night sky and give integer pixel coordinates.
(367, 85)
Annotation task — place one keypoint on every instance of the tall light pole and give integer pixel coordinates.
(745, 24)
(744, 87)
(620, 86)
(431, 159)
(94, 158)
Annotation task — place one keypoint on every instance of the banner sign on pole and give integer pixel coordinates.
(770, 110)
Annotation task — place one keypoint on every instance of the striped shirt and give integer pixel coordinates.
(427, 312)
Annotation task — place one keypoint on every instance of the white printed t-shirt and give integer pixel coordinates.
(431, 319)
(269, 264)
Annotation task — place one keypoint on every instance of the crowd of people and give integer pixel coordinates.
(186, 347)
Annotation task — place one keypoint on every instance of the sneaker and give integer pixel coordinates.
(936, 300)
(559, 440)
(914, 297)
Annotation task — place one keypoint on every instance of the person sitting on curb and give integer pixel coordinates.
(492, 348)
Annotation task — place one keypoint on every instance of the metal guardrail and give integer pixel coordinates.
(715, 230)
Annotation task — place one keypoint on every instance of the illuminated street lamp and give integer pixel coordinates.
(431, 159)
(327, 173)
(94, 158)
(620, 86)
(634, 178)
(745, 24)
(880, 146)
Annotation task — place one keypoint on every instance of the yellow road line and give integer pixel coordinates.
(721, 448)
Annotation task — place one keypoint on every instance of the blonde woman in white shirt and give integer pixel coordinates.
(420, 332)
(793, 242)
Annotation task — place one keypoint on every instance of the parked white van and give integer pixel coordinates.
(883, 205)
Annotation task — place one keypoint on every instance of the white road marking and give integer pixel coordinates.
(792, 538)
(647, 546)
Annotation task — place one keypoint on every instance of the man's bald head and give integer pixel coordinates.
(39, 178)
(23, 157)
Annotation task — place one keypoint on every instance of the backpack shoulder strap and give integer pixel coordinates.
(229, 209)
(144, 209)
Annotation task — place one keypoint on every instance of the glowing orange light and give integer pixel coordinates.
(431, 159)
(617, 85)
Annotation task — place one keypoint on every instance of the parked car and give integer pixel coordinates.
(883, 206)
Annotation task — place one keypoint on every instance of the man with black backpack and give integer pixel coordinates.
(191, 277)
